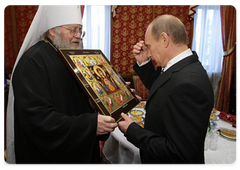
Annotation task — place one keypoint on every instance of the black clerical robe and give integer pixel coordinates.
(54, 121)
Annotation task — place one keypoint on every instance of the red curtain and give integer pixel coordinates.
(228, 20)
(82, 10)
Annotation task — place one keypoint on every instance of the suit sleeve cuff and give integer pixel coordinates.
(132, 133)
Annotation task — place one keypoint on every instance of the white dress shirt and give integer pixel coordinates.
(178, 58)
(173, 61)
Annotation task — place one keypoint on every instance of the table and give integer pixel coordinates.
(118, 150)
(226, 149)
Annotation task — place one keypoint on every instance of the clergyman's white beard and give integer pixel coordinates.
(60, 42)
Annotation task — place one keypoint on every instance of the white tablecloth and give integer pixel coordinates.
(119, 151)
(226, 149)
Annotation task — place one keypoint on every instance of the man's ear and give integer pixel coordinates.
(165, 39)
(52, 31)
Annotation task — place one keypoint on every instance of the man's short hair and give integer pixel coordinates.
(170, 25)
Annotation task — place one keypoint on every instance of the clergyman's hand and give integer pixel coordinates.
(105, 124)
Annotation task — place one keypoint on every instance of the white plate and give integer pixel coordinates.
(136, 112)
(226, 136)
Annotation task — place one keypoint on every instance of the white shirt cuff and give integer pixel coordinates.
(143, 63)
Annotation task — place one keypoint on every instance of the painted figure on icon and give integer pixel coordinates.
(104, 79)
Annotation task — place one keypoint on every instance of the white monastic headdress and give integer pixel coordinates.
(47, 17)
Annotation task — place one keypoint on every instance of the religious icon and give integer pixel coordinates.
(127, 93)
(109, 70)
(108, 102)
(78, 62)
(102, 60)
(87, 74)
(117, 80)
(101, 82)
(97, 88)
(104, 79)
(119, 98)
(92, 62)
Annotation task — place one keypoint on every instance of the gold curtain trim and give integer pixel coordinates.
(229, 51)
(192, 11)
(114, 7)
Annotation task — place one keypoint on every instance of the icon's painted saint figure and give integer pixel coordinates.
(105, 80)
(78, 62)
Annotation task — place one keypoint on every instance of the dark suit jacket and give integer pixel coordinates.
(177, 113)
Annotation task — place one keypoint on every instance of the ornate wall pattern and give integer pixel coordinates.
(129, 26)
(8, 39)
(24, 17)
(17, 20)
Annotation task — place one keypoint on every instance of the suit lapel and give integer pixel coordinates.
(163, 78)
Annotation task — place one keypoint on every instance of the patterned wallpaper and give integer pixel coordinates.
(24, 17)
(129, 26)
(17, 20)
(8, 39)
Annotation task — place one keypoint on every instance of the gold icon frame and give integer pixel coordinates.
(105, 87)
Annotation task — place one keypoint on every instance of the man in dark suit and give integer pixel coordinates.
(180, 98)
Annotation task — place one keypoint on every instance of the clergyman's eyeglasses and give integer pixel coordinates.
(74, 32)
